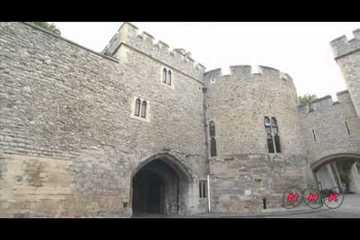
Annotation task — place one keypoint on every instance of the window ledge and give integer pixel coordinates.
(140, 118)
(167, 85)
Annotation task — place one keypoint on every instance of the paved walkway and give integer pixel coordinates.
(349, 209)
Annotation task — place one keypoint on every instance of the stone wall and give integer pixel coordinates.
(330, 120)
(70, 145)
(66, 113)
(243, 170)
(177, 120)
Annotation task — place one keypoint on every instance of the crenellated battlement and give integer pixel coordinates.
(247, 72)
(178, 58)
(342, 46)
(325, 103)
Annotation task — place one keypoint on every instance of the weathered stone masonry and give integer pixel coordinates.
(69, 108)
(243, 171)
(70, 146)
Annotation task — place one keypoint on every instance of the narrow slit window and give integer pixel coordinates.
(275, 131)
(269, 139)
(169, 77)
(277, 144)
(137, 107)
(203, 188)
(213, 151)
(212, 128)
(347, 128)
(270, 143)
(143, 109)
(164, 78)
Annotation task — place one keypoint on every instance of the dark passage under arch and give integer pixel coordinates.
(159, 188)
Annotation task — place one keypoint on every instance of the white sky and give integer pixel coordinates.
(299, 49)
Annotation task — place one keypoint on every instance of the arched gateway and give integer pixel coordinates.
(160, 186)
(338, 170)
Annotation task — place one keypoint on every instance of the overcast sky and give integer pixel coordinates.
(299, 49)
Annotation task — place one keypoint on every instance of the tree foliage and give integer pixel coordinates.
(48, 26)
(307, 99)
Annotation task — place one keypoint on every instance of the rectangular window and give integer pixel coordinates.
(143, 109)
(137, 107)
(212, 129)
(167, 77)
(140, 109)
(277, 144)
(272, 135)
(164, 77)
(203, 188)
(213, 151)
(270, 144)
(269, 140)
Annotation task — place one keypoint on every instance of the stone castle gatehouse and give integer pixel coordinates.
(140, 128)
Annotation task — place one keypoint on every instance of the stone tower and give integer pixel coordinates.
(237, 106)
(347, 55)
(71, 128)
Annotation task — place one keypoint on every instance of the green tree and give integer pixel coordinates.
(307, 98)
(48, 26)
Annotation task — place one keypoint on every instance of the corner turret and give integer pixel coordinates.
(342, 46)
(144, 42)
(347, 56)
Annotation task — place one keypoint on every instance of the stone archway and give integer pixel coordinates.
(160, 186)
(338, 170)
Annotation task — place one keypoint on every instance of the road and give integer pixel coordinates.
(349, 209)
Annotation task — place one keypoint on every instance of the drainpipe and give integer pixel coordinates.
(206, 144)
(207, 138)
(208, 188)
